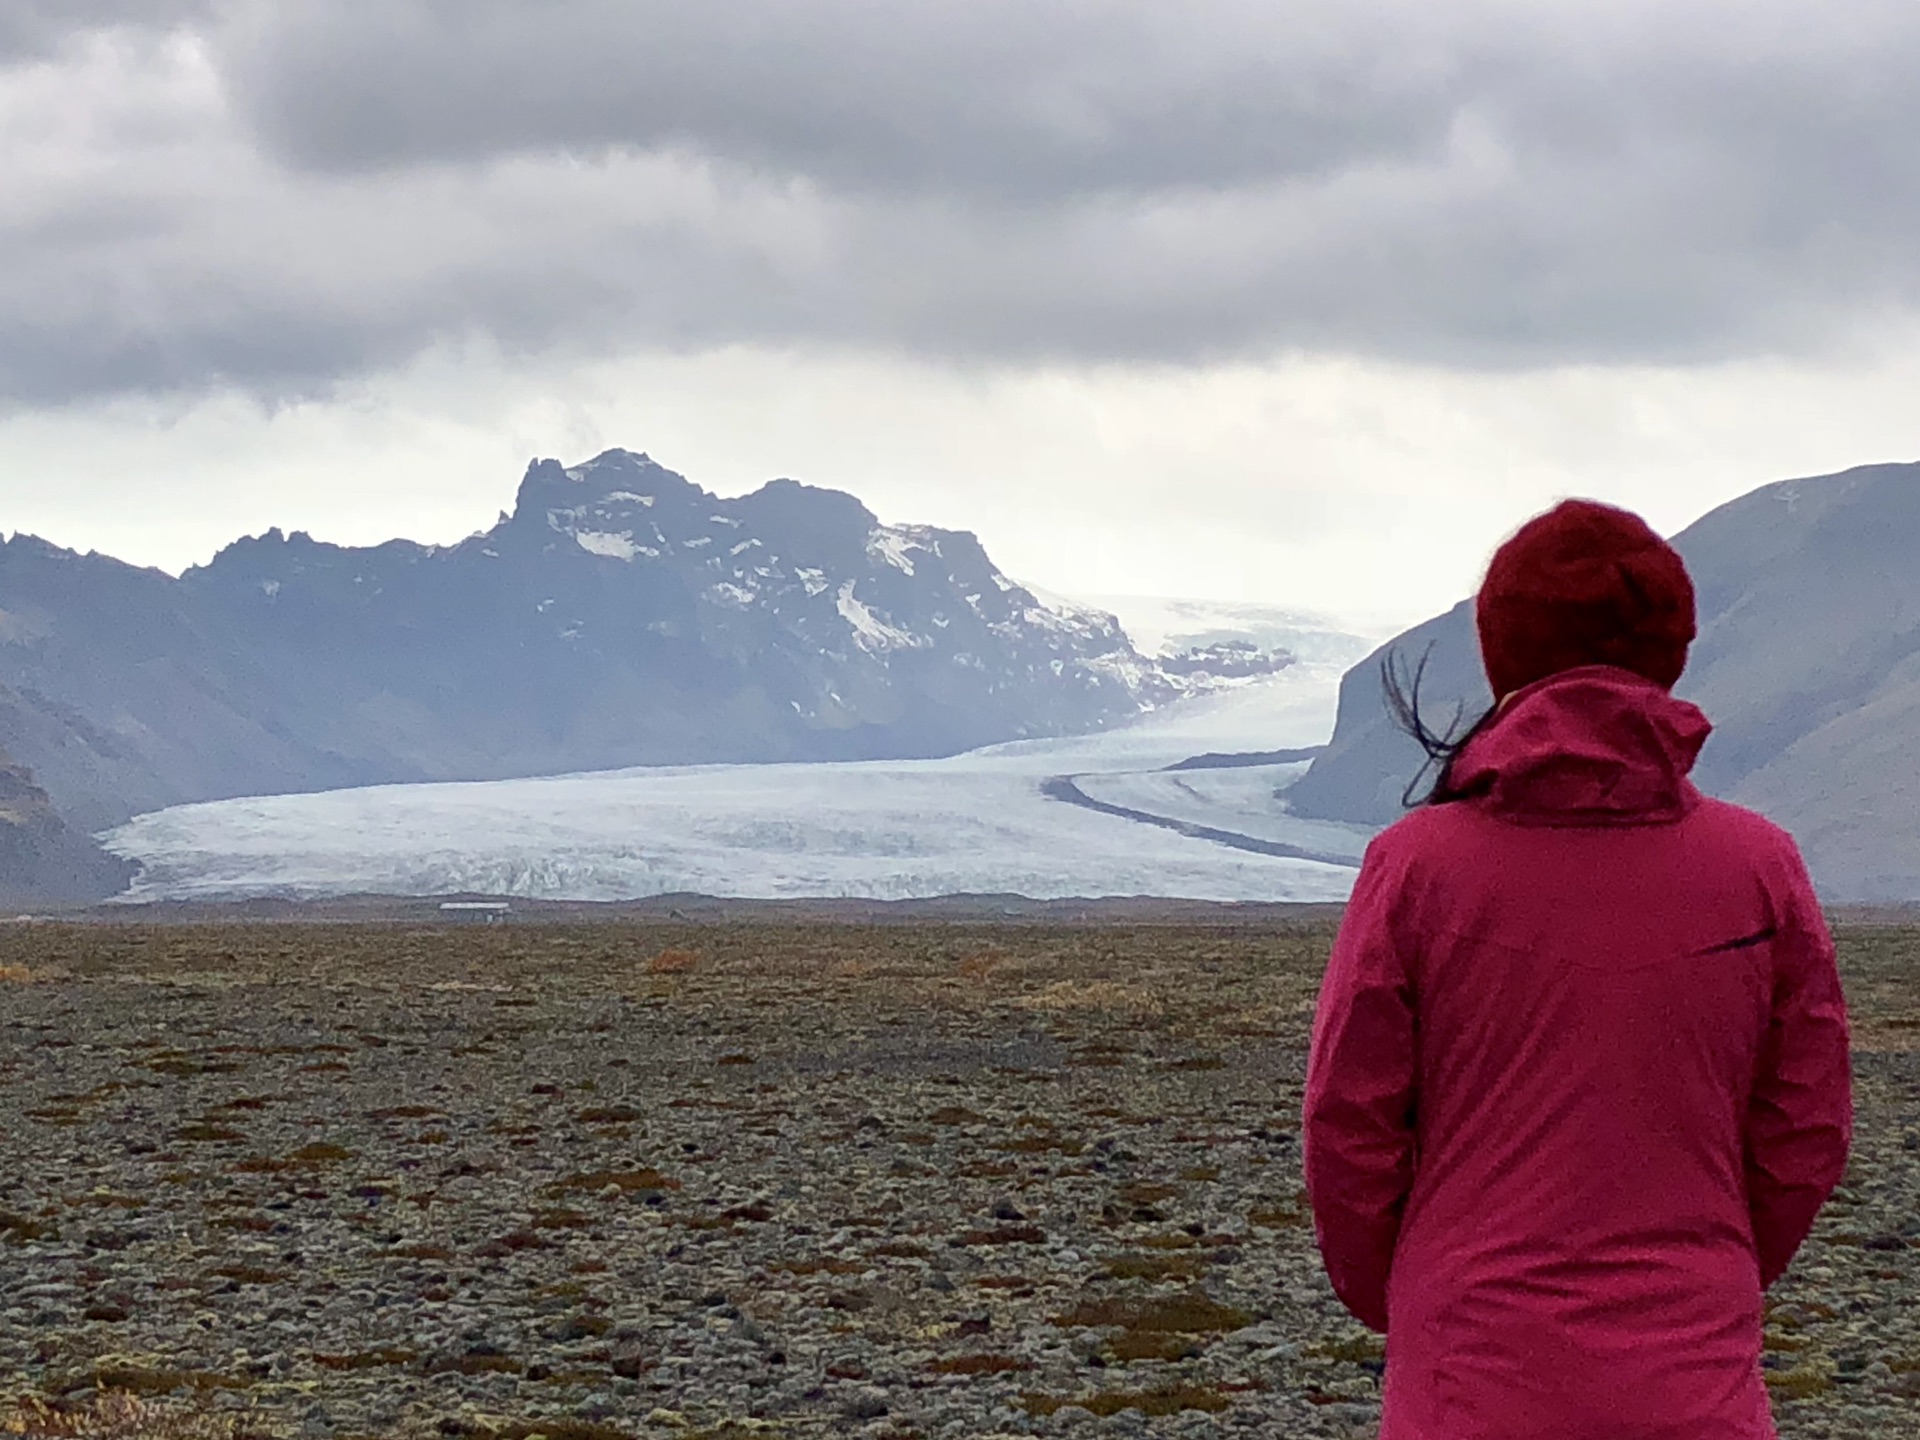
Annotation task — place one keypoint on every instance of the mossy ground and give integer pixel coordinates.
(997, 1168)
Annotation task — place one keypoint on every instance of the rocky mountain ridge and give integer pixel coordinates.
(1807, 663)
(620, 615)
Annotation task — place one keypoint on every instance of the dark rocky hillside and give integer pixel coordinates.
(1808, 663)
(42, 861)
(620, 616)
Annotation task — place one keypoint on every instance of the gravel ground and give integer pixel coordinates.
(590, 1181)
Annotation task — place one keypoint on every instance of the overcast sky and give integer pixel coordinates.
(1306, 302)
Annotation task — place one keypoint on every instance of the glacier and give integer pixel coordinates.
(976, 823)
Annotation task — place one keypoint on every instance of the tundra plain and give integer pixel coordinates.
(949, 1173)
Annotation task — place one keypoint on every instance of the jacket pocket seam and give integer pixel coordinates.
(1743, 942)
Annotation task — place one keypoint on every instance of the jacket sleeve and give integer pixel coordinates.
(1799, 1120)
(1357, 1136)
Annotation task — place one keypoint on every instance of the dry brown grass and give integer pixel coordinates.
(19, 1228)
(1168, 1400)
(552, 1429)
(1257, 971)
(1194, 1313)
(366, 1359)
(982, 964)
(1353, 1349)
(1131, 1345)
(121, 1415)
(1800, 1383)
(1070, 995)
(1157, 1267)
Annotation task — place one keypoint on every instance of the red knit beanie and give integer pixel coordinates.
(1584, 584)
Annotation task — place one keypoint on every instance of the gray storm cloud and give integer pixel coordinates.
(37, 27)
(280, 196)
(1034, 102)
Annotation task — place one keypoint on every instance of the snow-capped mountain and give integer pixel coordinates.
(1184, 631)
(621, 615)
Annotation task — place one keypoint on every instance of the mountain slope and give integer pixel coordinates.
(42, 861)
(1807, 662)
(621, 615)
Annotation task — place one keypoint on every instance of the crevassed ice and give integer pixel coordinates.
(976, 823)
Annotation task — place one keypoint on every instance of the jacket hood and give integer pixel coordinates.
(1593, 746)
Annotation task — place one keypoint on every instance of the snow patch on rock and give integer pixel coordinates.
(870, 632)
(614, 545)
(897, 545)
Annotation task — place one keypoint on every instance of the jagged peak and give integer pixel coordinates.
(271, 540)
(792, 498)
(275, 553)
(24, 545)
(618, 458)
(612, 475)
(26, 542)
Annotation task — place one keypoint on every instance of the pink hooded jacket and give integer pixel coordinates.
(1578, 1083)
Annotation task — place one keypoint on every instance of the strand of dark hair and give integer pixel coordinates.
(1401, 689)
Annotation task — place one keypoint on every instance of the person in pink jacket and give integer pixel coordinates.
(1579, 1076)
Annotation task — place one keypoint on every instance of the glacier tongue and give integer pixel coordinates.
(973, 824)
